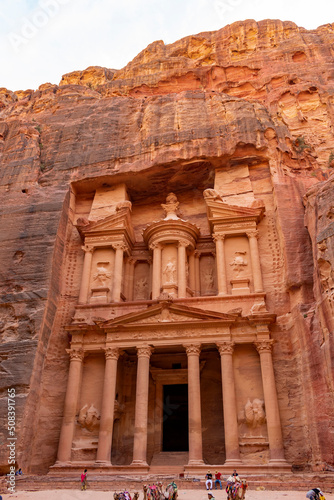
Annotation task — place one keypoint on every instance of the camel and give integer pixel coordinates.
(155, 492)
(236, 491)
(125, 495)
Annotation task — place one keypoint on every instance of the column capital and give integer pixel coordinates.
(112, 353)
(119, 246)
(154, 246)
(144, 351)
(183, 243)
(225, 347)
(218, 236)
(197, 254)
(87, 248)
(264, 345)
(254, 233)
(132, 260)
(192, 349)
(76, 354)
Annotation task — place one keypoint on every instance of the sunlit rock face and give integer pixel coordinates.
(246, 112)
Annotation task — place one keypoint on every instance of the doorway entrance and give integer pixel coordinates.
(175, 418)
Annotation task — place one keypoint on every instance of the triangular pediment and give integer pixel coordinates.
(117, 223)
(163, 313)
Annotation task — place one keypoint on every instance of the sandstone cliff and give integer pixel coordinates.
(256, 94)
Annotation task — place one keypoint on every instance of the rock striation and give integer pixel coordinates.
(253, 101)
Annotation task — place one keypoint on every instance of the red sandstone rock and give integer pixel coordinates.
(253, 100)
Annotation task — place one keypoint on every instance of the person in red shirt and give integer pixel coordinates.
(84, 480)
(217, 480)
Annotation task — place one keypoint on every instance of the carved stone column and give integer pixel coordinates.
(118, 271)
(84, 289)
(70, 406)
(156, 276)
(141, 410)
(270, 400)
(181, 269)
(131, 270)
(192, 282)
(197, 255)
(221, 265)
(194, 405)
(255, 259)
(108, 405)
(229, 404)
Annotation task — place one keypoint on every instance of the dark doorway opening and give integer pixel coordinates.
(175, 418)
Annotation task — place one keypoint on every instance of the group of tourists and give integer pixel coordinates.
(233, 483)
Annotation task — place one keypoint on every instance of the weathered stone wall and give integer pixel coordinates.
(256, 94)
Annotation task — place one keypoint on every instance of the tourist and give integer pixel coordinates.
(18, 472)
(236, 475)
(208, 482)
(210, 496)
(315, 494)
(217, 480)
(84, 480)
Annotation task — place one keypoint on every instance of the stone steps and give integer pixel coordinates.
(120, 483)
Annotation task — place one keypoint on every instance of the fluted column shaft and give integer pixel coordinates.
(229, 403)
(255, 259)
(141, 410)
(181, 270)
(221, 265)
(84, 288)
(156, 277)
(194, 405)
(70, 406)
(271, 402)
(118, 271)
(108, 405)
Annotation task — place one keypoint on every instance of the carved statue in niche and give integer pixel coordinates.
(254, 413)
(239, 263)
(170, 273)
(89, 418)
(141, 288)
(208, 279)
(101, 277)
(171, 207)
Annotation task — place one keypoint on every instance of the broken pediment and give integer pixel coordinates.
(114, 225)
(222, 213)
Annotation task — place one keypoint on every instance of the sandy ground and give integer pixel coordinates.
(183, 495)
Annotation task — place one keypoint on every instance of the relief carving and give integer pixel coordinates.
(208, 280)
(211, 194)
(141, 289)
(254, 413)
(239, 263)
(170, 273)
(171, 207)
(89, 418)
(101, 277)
